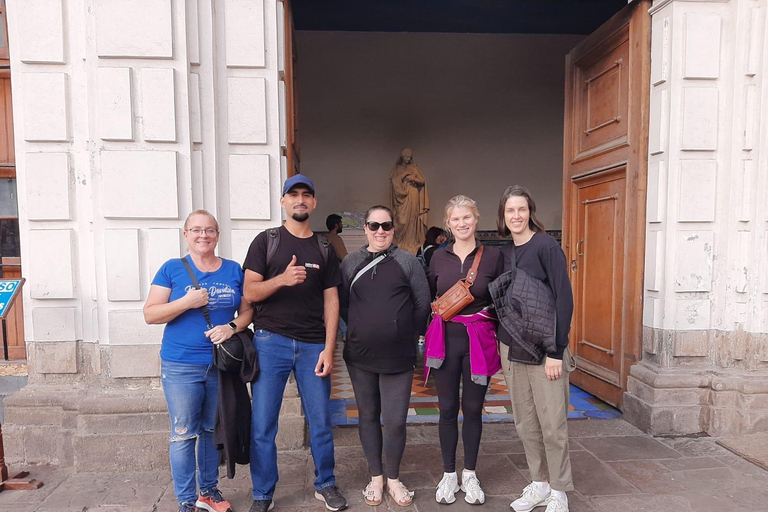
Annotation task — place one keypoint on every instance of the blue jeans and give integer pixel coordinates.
(191, 391)
(278, 356)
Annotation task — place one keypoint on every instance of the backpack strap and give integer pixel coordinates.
(273, 242)
(325, 248)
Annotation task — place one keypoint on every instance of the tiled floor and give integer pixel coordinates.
(616, 467)
(423, 407)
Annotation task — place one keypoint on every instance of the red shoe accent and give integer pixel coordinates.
(209, 502)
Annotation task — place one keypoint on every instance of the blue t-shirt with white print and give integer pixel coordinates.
(184, 339)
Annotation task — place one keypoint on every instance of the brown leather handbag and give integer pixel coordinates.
(458, 296)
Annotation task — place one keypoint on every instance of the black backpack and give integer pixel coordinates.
(422, 257)
(273, 242)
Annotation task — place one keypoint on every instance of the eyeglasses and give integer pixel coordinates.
(386, 226)
(198, 232)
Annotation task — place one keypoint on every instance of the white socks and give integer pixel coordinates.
(543, 488)
(561, 495)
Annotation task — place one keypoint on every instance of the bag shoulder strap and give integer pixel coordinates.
(191, 273)
(511, 257)
(367, 268)
(475, 264)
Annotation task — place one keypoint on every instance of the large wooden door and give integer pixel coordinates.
(10, 267)
(290, 79)
(604, 184)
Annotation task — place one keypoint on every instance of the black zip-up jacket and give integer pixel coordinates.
(232, 430)
(385, 310)
(542, 258)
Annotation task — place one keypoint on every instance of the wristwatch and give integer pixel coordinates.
(232, 325)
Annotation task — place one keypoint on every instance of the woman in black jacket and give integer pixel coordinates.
(385, 300)
(538, 385)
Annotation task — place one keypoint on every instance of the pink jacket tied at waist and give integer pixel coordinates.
(484, 360)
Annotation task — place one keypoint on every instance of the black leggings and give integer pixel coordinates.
(382, 397)
(454, 371)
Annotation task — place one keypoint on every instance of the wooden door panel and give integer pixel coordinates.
(603, 97)
(11, 266)
(607, 95)
(15, 320)
(7, 155)
(292, 150)
(599, 289)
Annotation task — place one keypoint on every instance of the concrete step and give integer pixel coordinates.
(8, 385)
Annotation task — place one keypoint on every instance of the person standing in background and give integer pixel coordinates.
(335, 227)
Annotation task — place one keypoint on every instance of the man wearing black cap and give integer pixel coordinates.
(294, 288)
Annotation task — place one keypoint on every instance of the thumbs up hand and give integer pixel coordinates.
(294, 274)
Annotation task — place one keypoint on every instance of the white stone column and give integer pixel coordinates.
(128, 116)
(705, 319)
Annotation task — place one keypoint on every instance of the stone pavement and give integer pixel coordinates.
(616, 468)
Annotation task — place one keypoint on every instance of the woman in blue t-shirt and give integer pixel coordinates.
(190, 381)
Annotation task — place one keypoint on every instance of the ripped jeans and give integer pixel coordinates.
(191, 392)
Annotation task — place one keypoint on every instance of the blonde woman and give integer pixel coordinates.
(461, 353)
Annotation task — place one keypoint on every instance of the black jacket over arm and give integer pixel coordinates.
(543, 259)
(232, 433)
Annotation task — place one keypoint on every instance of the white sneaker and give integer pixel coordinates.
(474, 495)
(557, 504)
(447, 488)
(532, 497)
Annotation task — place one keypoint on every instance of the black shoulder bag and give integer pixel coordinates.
(227, 355)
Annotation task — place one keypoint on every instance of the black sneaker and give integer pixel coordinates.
(332, 498)
(262, 505)
(186, 507)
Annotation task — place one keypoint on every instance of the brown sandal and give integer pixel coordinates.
(400, 494)
(372, 493)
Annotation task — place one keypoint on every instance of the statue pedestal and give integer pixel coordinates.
(354, 239)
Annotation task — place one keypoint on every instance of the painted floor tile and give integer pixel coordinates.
(424, 407)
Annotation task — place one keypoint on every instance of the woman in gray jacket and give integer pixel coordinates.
(385, 300)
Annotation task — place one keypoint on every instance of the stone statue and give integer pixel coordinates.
(410, 203)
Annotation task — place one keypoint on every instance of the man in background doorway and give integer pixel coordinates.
(333, 223)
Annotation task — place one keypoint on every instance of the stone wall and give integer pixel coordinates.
(705, 347)
(128, 116)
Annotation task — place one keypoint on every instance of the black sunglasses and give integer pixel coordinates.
(386, 226)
